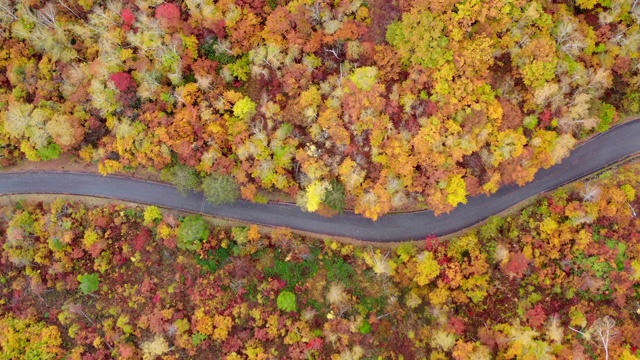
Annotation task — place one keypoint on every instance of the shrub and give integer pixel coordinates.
(244, 109)
(49, 152)
(152, 214)
(286, 301)
(192, 232)
(365, 327)
(220, 189)
(168, 11)
(88, 283)
(183, 177)
(335, 197)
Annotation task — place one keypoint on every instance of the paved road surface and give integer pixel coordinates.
(603, 150)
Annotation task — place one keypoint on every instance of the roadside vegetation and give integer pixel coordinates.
(559, 280)
(369, 105)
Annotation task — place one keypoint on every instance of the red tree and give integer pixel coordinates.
(168, 14)
(517, 265)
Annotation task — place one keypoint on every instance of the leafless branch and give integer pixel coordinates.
(605, 329)
(334, 51)
(6, 7)
(68, 8)
(585, 335)
(633, 210)
(590, 193)
(47, 15)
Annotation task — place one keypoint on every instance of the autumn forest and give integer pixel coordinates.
(372, 106)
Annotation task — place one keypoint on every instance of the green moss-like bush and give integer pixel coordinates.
(193, 230)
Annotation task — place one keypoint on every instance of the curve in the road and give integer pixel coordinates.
(604, 149)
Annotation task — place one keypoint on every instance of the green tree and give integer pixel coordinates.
(286, 301)
(220, 189)
(183, 177)
(88, 283)
(240, 68)
(335, 197)
(49, 152)
(193, 230)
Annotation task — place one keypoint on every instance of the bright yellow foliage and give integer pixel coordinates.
(439, 296)
(310, 97)
(109, 167)
(164, 231)
(315, 194)
(427, 268)
(586, 4)
(456, 191)
(629, 191)
(24, 338)
(151, 214)
(548, 226)
(222, 327)
(476, 287)
(90, 238)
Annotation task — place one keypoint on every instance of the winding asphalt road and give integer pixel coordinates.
(605, 149)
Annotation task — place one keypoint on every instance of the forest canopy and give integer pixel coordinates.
(372, 105)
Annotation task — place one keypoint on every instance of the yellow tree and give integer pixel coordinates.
(456, 191)
(426, 268)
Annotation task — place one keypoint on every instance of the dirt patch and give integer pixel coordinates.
(71, 163)
(66, 162)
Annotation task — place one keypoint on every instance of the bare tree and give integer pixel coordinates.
(69, 8)
(590, 192)
(604, 329)
(7, 10)
(601, 331)
(47, 16)
(569, 37)
(379, 263)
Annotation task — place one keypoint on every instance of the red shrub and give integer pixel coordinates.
(545, 118)
(516, 266)
(127, 17)
(168, 11)
(536, 316)
(141, 239)
(456, 325)
(123, 81)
